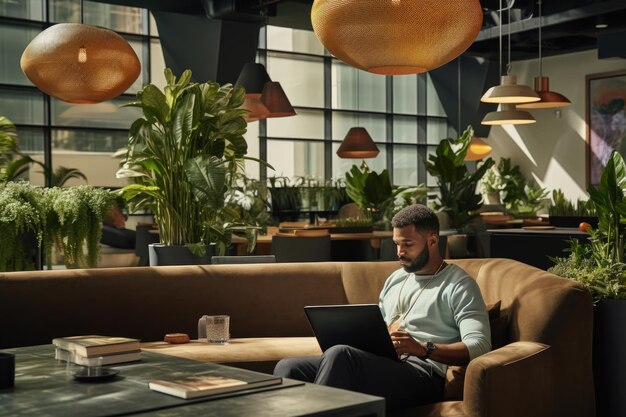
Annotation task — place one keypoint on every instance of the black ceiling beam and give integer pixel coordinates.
(566, 16)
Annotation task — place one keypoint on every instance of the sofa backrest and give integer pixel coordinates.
(262, 300)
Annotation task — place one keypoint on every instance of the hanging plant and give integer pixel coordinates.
(21, 211)
(75, 221)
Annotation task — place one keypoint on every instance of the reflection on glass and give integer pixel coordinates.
(295, 158)
(13, 41)
(118, 18)
(25, 107)
(293, 40)
(90, 152)
(405, 94)
(405, 165)
(433, 104)
(375, 125)
(430, 180)
(436, 129)
(107, 114)
(404, 129)
(307, 124)
(301, 77)
(30, 139)
(157, 64)
(371, 89)
(341, 166)
(22, 9)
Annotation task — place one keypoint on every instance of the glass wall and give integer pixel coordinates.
(402, 114)
(81, 136)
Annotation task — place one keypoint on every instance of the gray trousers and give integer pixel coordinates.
(403, 384)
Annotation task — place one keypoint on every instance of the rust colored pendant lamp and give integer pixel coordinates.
(80, 63)
(549, 99)
(396, 37)
(264, 97)
(357, 144)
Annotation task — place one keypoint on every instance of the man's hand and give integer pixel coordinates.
(405, 344)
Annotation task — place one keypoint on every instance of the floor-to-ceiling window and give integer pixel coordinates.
(79, 136)
(402, 113)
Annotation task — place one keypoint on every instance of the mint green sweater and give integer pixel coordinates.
(449, 309)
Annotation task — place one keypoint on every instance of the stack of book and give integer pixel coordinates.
(97, 350)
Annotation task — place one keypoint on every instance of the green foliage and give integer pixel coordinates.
(74, 221)
(285, 195)
(561, 206)
(457, 185)
(520, 197)
(21, 210)
(184, 155)
(588, 265)
(352, 222)
(371, 191)
(599, 265)
(68, 217)
(13, 163)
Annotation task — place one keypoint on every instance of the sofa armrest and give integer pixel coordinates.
(512, 381)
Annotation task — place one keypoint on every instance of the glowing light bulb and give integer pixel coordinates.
(82, 55)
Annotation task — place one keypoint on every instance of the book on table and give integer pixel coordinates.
(93, 345)
(195, 386)
(99, 360)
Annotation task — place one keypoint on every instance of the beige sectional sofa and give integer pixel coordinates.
(544, 369)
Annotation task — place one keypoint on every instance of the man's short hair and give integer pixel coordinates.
(423, 218)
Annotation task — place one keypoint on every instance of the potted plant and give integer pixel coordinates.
(373, 193)
(457, 185)
(599, 266)
(184, 155)
(492, 186)
(564, 213)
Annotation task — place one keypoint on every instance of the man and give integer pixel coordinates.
(436, 317)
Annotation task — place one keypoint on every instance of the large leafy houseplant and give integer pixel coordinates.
(183, 156)
(457, 185)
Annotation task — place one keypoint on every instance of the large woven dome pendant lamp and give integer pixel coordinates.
(396, 37)
(80, 63)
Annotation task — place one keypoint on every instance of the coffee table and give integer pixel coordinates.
(43, 387)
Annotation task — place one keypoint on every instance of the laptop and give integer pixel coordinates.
(358, 325)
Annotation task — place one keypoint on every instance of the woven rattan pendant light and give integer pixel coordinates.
(549, 99)
(80, 63)
(395, 37)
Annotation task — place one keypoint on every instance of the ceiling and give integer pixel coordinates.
(568, 25)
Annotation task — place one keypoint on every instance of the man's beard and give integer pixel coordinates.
(417, 263)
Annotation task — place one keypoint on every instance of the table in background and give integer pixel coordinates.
(43, 388)
(533, 246)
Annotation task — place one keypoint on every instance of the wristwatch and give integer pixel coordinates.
(430, 347)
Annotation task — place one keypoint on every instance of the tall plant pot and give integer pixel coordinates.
(161, 255)
(457, 246)
(609, 358)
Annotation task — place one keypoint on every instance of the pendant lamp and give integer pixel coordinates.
(549, 99)
(477, 150)
(358, 144)
(396, 37)
(508, 115)
(79, 63)
(508, 91)
(264, 97)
